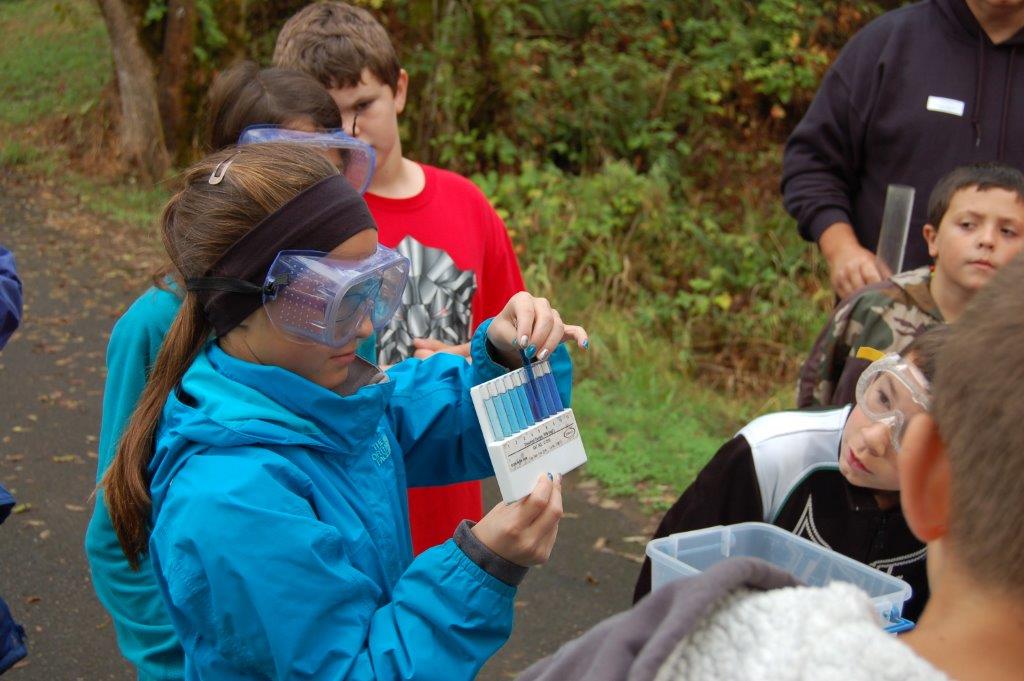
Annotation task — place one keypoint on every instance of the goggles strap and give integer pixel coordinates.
(232, 285)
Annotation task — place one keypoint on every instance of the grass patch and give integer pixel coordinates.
(16, 153)
(56, 62)
(55, 58)
(650, 429)
(124, 202)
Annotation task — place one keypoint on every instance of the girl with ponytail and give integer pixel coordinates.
(242, 96)
(263, 473)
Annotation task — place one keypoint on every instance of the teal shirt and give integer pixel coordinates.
(144, 632)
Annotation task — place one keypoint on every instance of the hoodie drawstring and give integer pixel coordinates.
(979, 86)
(1007, 86)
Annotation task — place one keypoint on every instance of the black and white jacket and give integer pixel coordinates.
(783, 469)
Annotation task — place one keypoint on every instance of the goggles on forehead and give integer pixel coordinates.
(356, 160)
(891, 391)
(312, 297)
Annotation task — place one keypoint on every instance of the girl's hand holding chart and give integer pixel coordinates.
(533, 326)
(524, 532)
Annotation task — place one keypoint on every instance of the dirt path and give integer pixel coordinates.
(79, 274)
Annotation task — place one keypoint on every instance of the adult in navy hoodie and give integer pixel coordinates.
(915, 93)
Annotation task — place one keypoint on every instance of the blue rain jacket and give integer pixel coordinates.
(10, 296)
(12, 635)
(281, 533)
(144, 631)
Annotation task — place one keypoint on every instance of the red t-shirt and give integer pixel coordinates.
(464, 270)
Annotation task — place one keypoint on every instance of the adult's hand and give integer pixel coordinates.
(851, 266)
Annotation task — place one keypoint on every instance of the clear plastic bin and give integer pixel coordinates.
(689, 553)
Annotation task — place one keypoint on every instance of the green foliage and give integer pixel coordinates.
(728, 285)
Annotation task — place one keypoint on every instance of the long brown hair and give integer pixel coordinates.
(245, 95)
(198, 224)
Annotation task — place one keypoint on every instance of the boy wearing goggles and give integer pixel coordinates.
(829, 476)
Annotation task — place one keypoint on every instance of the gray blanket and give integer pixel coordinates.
(634, 644)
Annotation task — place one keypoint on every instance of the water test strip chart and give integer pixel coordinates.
(528, 429)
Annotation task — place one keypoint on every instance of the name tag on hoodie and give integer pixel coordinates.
(945, 105)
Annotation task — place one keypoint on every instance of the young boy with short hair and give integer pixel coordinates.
(975, 226)
(961, 474)
(464, 266)
(828, 476)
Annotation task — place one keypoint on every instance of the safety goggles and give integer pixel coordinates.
(314, 298)
(891, 391)
(356, 160)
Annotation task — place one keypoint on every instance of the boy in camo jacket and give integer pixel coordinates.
(975, 226)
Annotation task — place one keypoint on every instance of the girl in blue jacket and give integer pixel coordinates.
(264, 472)
(241, 96)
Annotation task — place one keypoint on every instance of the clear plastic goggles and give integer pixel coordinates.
(891, 391)
(356, 160)
(314, 298)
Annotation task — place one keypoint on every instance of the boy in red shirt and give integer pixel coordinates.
(463, 266)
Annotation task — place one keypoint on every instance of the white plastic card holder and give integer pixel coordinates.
(551, 445)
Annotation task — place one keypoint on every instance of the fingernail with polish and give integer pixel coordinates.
(586, 343)
(551, 477)
(543, 354)
(523, 341)
(531, 351)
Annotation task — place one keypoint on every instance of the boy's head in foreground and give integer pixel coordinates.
(962, 465)
(975, 224)
(350, 54)
(890, 392)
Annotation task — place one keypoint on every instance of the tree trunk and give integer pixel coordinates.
(142, 138)
(179, 32)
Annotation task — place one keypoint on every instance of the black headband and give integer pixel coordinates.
(319, 218)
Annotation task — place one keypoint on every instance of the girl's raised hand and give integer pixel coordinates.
(524, 532)
(531, 324)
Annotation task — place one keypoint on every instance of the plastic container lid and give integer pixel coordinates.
(689, 553)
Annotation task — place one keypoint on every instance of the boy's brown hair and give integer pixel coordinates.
(978, 399)
(923, 350)
(980, 176)
(334, 42)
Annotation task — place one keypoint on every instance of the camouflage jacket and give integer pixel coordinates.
(884, 316)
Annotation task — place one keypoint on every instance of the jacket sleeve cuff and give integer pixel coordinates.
(503, 570)
(483, 354)
(823, 220)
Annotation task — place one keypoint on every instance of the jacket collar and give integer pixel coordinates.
(347, 418)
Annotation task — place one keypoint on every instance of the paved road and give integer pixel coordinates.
(79, 274)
